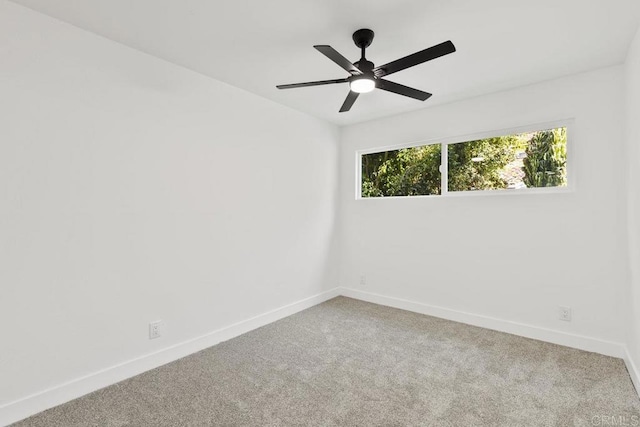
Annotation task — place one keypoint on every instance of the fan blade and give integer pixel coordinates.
(417, 58)
(333, 55)
(348, 103)
(403, 90)
(318, 83)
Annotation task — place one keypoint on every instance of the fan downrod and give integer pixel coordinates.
(363, 38)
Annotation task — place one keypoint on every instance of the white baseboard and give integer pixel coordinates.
(19, 409)
(633, 370)
(581, 342)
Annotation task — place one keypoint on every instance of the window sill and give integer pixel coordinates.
(481, 193)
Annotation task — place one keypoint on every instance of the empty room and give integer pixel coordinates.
(319, 213)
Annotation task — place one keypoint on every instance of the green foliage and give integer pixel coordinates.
(545, 164)
(406, 172)
(492, 155)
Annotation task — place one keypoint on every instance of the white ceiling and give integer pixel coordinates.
(257, 44)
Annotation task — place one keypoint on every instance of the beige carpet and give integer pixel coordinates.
(350, 363)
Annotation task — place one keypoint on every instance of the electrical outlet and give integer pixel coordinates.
(565, 314)
(363, 280)
(154, 329)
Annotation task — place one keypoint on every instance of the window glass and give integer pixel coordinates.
(527, 160)
(407, 172)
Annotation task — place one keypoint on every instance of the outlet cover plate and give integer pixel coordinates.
(154, 329)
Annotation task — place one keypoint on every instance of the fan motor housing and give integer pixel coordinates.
(365, 66)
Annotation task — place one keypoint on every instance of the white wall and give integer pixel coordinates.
(133, 190)
(508, 257)
(632, 69)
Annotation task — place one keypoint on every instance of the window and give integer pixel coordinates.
(411, 171)
(514, 161)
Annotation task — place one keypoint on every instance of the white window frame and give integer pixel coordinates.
(444, 165)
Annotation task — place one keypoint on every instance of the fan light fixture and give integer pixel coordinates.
(362, 85)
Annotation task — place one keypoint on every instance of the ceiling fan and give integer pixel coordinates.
(365, 77)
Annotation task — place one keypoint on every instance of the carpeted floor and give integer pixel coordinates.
(351, 363)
